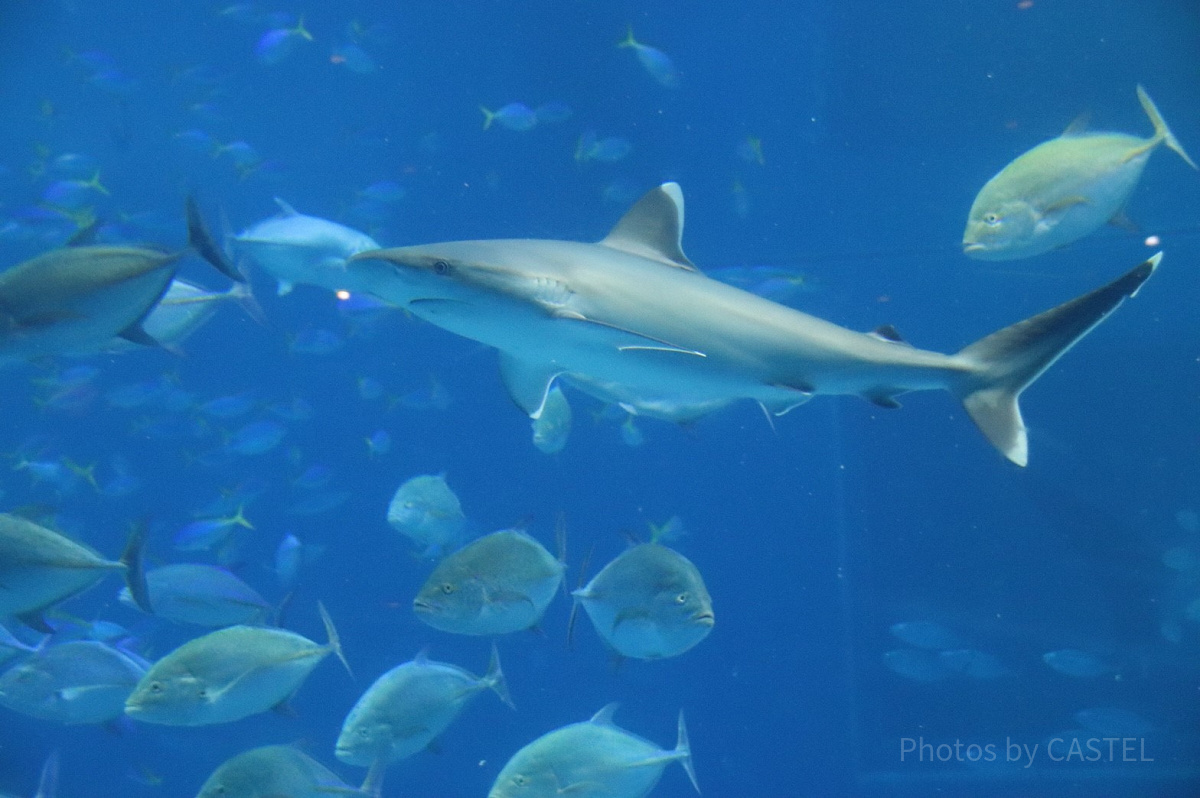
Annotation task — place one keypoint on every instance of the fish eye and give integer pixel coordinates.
(681, 598)
(156, 687)
(440, 267)
(519, 780)
(992, 219)
(447, 588)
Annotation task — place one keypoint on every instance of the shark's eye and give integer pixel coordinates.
(440, 267)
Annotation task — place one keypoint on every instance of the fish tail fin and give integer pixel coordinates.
(628, 41)
(1006, 362)
(134, 560)
(243, 294)
(583, 567)
(94, 183)
(239, 518)
(1161, 131)
(202, 241)
(683, 750)
(301, 31)
(494, 678)
(488, 116)
(335, 642)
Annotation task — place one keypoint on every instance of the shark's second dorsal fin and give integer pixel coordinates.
(653, 228)
(284, 208)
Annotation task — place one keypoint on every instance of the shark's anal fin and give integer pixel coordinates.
(528, 383)
(653, 228)
(654, 344)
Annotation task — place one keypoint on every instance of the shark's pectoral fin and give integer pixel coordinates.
(652, 344)
(135, 334)
(528, 383)
(653, 228)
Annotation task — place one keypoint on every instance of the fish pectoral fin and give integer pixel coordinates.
(506, 597)
(1061, 206)
(580, 787)
(285, 288)
(36, 621)
(528, 383)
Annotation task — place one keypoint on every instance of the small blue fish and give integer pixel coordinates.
(354, 58)
(369, 389)
(74, 194)
(197, 141)
(385, 191)
(314, 477)
(207, 533)
(229, 406)
(514, 116)
(379, 444)
(257, 437)
(607, 150)
(750, 150)
(655, 61)
(277, 44)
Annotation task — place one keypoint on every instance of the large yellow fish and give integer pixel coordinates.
(1062, 190)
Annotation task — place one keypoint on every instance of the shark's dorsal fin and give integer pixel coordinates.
(528, 383)
(653, 228)
(284, 208)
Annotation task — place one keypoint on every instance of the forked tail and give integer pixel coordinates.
(1006, 362)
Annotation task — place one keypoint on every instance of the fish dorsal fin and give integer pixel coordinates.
(422, 657)
(284, 208)
(85, 235)
(1078, 126)
(653, 228)
(605, 716)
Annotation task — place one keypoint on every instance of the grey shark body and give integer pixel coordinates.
(630, 320)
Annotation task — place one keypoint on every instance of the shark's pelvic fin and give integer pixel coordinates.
(528, 383)
(1006, 362)
(653, 228)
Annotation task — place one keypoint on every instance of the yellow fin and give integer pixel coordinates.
(1161, 131)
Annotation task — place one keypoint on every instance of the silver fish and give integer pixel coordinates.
(1062, 190)
(78, 298)
(201, 594)
(552, 428)
(425, 510)
(410, 705)
(294, 248)
(280, 771)
(648, 603)
(497, 584)
(81, 681)
(40, 568)
(229, 674)
(593, 759)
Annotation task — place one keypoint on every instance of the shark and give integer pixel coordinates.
(630, 319)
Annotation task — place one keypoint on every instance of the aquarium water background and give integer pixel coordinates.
(877, 123)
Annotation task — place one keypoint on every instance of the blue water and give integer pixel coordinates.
(879, 122)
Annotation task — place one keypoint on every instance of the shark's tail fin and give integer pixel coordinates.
(1004, 363)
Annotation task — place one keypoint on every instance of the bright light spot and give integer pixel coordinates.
(1153, 241)
(343, 294)
(1025, 4)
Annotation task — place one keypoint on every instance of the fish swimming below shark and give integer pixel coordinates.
(631, 320)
